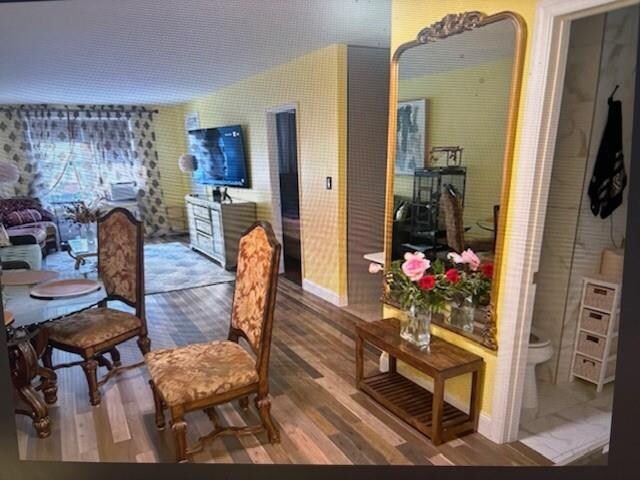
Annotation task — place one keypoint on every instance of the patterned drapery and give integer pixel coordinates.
(94, 145)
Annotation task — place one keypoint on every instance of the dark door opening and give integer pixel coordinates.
(289, 194)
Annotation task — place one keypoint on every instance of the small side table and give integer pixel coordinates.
(80, 249)
(425, 411)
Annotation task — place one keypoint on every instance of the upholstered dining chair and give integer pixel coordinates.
(93, 332)
(201, 376)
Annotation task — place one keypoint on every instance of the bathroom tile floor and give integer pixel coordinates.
(572, 420)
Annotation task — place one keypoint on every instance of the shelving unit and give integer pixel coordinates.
(596, 343)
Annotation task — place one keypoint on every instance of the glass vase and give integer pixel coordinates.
(415, 328)
(462, 314)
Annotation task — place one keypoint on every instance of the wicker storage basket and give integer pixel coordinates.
(590, 369)
(591, 345)
(596, 322)
(599, 297)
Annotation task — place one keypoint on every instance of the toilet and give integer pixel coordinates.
(539, 351)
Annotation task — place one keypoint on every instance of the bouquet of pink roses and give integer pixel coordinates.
(417, 282)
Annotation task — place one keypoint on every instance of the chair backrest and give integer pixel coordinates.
(121, 258)
(453, 219)
(255, 291)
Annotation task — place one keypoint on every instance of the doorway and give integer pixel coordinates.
(283, 146)
(564, 409)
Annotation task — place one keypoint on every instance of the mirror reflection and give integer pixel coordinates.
(452, 113)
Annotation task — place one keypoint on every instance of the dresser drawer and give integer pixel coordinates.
(594, 321)
(203, 226)
(204, 241)
(201, 212)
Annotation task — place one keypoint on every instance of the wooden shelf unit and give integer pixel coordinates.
(595, 346)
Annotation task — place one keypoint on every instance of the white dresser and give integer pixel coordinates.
(215, 228)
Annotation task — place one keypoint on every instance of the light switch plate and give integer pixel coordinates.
(328, 183)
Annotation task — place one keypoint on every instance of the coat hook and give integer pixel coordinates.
(614, 91)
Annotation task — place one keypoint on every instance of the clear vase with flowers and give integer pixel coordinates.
(469, 287)
(420, 287)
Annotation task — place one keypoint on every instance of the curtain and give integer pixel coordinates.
(82, 150)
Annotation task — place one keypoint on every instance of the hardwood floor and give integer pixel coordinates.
(323, 419)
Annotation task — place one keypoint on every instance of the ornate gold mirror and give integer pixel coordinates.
(454, 95)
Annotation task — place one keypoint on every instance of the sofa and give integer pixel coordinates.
(27, 222)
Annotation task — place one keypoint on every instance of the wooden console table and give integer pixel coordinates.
(425, 411)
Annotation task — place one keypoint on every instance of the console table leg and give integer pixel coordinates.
(437, 408)
(474, 408)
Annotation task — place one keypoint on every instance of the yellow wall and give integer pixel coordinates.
(408, 17)
(467, 107)
(316, 82)
(170, 144)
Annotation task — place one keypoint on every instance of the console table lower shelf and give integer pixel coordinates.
(425, 411)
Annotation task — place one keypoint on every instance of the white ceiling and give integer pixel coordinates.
(490, 42)
(163, 51)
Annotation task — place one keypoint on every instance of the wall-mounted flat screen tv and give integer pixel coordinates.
(220, 156)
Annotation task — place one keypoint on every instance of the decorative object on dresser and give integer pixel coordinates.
(215, 228)
(202, 376)
(424, 410)
(594, 358)
(93, 332)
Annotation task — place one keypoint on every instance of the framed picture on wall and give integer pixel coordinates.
(411, 134)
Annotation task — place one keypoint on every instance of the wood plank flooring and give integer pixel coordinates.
(323, 419)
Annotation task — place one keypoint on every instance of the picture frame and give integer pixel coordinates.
(412, 131)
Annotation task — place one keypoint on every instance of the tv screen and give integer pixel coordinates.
(220, 156)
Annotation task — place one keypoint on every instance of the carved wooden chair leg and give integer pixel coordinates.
(115, 357)
(144, 344)
(49, 384)
(47, 357)
(244, 403)
(159, 404)
(104, 362)
(179, 429)
(90, 368)
(38, 410)
(263, 405)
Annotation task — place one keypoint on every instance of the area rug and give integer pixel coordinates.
(167, 267)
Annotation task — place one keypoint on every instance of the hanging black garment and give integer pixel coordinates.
(609, 178)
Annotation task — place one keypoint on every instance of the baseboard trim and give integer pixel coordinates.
(324, 293)
(485, 425)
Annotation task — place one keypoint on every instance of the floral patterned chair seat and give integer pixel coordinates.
(92, 327)
(194, 372)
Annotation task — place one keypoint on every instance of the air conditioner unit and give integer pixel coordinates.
(123, 191)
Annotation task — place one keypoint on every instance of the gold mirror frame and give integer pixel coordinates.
(454, 24)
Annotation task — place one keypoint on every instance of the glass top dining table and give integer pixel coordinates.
(28, 310)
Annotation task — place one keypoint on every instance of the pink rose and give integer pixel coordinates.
(471, 259)
(454, 257)
(415, 265)
(375, 267)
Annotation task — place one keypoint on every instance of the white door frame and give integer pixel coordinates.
(276, 201)
(529, 195)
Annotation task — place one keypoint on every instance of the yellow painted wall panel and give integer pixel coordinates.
(316, 82)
